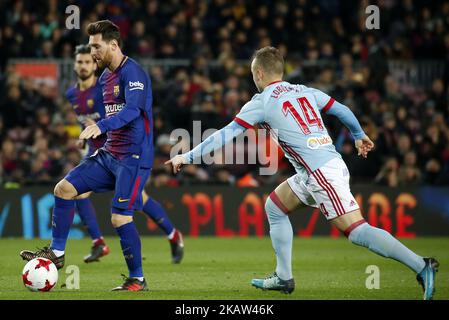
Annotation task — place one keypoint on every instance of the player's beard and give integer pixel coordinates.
(100, 63)
(85, 76)
(105, 62)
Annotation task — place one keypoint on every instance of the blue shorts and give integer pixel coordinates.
(90, 152)
(102, 172)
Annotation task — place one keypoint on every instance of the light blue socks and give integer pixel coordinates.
(384, 244)
(377, 240)
(281, 234)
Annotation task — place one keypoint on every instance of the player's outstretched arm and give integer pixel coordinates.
(212, 143)
(363, 143)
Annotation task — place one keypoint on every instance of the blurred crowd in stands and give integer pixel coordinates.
(325, 43)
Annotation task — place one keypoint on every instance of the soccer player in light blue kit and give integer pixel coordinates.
(293, 113)
(123, 164)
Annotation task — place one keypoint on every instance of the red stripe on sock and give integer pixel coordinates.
(353, 226)
(175, 237)
(99, 241)
(274, 197)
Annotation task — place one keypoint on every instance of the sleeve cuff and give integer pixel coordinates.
(328, 105)
(359, 135)
(188, 157)
(101, 126)
(243, 123)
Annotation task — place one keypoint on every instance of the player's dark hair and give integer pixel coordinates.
(82, 49)
(108, 30)
(270, 59)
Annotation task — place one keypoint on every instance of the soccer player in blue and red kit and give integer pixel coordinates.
(125, 161)
(86, 99)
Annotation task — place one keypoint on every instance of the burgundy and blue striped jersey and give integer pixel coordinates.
(88, 104)
(128, 123)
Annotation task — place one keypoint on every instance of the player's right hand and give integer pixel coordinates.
(364, 146)
(177, 162)
(92, 131)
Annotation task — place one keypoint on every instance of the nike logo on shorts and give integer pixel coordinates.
(122, 200)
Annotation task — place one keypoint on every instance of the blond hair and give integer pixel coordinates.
(270, 60)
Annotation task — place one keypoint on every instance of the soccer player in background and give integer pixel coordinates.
(86, 99)
(125, 161)
(292, 112)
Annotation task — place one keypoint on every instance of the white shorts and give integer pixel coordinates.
(327, 188)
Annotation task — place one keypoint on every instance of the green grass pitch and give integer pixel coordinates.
(222, 268)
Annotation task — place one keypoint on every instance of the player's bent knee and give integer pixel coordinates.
(65, 190)
(119, 220)
(285, 195)
(348, 221)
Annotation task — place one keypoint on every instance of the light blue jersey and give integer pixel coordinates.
(293, 112)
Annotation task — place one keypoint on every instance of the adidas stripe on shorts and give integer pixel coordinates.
(327, 188)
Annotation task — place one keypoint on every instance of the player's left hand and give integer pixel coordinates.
(177, 162)
(91, 131)
(364, 146)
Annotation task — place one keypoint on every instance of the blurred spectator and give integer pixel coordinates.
(409, 173)
(388, 174)
(223, 176)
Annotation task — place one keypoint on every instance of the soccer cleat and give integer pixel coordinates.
(177, 247)
(273, 282)
(45, 252)
(99, 249)
(132, 284)
(426, 278)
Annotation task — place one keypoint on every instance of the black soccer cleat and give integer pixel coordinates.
(177, 247)
(45, 252)
(98, 250)
(132, 284)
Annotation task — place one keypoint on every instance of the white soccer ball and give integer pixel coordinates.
(40, 274)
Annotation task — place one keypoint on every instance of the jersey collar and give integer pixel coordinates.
(122, 62)
(271, 84)
(124, 59)
(274, 82)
